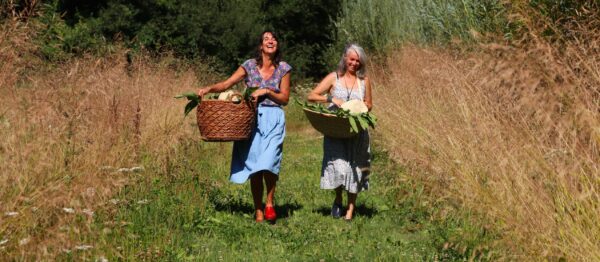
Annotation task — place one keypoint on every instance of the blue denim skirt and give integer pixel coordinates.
(263, 151)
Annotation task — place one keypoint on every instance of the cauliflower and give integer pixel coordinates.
(355, 106)
(224, 96)
(228, 95)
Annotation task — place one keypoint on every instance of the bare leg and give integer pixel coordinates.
(338, 196)
(271, 182)
(256, 186)
(351, 205)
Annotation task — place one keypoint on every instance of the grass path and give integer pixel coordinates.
(190, 211)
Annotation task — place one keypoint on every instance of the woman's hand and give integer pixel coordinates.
(203, 91)
(336, 101)
(260, 92)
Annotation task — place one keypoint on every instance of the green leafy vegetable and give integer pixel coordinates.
(248, 92)
(193, 99)
(189, 107)
(353, 124)
(362, 121)
(358, 122)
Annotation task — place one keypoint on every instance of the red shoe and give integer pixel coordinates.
(270, 213)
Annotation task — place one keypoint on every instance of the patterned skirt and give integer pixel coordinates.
(346, 163)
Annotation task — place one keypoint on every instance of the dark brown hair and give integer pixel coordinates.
(277, 57)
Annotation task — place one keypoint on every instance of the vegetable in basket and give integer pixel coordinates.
(356, 112)
(194, 99)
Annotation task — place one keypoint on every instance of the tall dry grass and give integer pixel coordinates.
(67, 130)
(512, 133)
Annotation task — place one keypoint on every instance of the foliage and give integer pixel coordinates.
(312, 33)
(557, 15)
(380, 24)
(193, 99)
(227, 31)
(306, 27)
(58, 41)
(358, 122)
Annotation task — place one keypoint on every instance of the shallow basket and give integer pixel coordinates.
(226, 120)
(330, 125)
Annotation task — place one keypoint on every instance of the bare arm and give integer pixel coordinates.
(282, 97)
(368, 98)
(237, 76)
(320, 93)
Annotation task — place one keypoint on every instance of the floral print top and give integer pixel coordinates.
(254, 79)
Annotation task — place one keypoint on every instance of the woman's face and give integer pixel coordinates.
(352, 61)
(269, 43)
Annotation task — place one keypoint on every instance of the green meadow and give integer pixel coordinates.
(192, 212)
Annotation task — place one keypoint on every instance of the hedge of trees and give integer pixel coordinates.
(225, 32)
(222, 32)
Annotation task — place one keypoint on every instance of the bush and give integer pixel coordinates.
(58, 41)
(225, 31)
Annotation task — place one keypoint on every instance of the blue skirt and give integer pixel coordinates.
(263, 151)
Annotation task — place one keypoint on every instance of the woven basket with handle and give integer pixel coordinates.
(330, 125)
(226, 120)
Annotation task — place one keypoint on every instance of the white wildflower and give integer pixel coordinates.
(107, 168)
(3, 241)
(137, 169)
(88, 212)
(24, 241)
(114, 201)
(83, 247)
(124, 170)
(68, 210)
(11, 214)
(102, 259)
(143, 202)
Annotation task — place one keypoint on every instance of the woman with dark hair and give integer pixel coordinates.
(346, 162)
(259, 157)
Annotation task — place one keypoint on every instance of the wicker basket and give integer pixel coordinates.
(226, 120)
(330, 125)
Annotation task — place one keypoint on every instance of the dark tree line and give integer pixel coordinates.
(222, 31)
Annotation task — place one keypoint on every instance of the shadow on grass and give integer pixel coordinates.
(234, 207)
(286, 210)
(359, 210)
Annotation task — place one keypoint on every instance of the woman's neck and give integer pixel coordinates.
(350, 74)
(267, 61)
